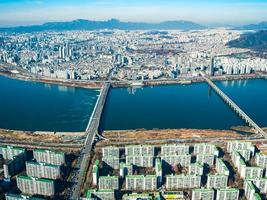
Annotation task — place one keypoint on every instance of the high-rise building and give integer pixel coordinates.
(95, 172)
(204, 148)
(112, 161)
(14, 166)
(32, 185)
(141, 182)
(182, 181)
(211, 69)
(110, 151)
(196, 168)
(217, 181)
(200, 194)
(261, 160)
(49, 156)
(8, 152)
(135, 150)
(206, 159)
(158, 169)
(221, 168)
(174, 149)
(140, 160)
(183, 160)
(43, 170)
(108, 183)
(227, 194)
(239, 145)
(250, 189)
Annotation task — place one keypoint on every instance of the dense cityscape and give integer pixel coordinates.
(144, 107)
(136, 55)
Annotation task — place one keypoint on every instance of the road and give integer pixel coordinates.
(91, 132)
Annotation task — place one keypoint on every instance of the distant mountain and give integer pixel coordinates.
(260, 26)
(256, 41)
(82, 24)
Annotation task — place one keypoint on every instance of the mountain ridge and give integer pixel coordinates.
(84, 24)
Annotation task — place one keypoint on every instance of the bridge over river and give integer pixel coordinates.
(91, 133)
(236, 108)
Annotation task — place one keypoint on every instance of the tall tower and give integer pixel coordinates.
(211, 70)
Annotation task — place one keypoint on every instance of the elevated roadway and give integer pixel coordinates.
(91, 133)
(236, 108)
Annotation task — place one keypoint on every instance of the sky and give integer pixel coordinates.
(207, 12)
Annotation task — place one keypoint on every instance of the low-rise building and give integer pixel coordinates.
(200, 194)
(11, 196)
(182, 181)
(146, 196)
(100, 194)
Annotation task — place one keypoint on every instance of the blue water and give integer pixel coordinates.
(172, 106)
(251, 97)
(44, 107)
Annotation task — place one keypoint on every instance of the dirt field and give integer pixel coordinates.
(23, 135)
(140, 136)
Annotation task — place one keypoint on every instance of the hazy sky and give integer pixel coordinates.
(24, 12)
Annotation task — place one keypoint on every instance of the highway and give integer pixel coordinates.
(91, 132)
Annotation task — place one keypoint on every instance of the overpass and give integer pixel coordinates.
(236, 108)
(91, 133)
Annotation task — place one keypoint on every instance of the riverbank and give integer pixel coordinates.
(90, 84)
(67, 83)
(158, 136)
(56, 140)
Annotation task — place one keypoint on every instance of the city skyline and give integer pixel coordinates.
(236, 12)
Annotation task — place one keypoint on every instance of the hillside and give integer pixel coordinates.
(255, 41)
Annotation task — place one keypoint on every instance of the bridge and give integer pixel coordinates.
(236, 108)
(91, 133)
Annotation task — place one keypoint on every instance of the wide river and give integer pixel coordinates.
(168, 106)
(44, 107)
